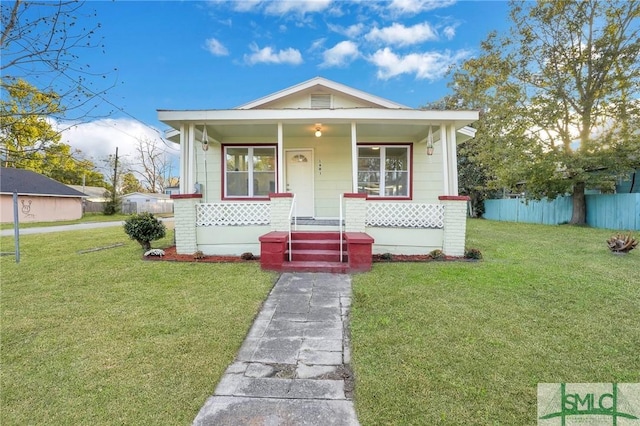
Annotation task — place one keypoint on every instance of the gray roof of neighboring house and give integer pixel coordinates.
(26, 182)
(95, 193)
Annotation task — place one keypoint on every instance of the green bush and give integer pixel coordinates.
(144, 228)
(472, 253)
(437, 254)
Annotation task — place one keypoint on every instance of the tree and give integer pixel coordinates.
(144, 228)
(130, 183)
(42, 43)
(152, 164)
(28, 141)
(559, 98)
(24, 130)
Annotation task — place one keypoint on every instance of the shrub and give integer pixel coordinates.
(386, 256)
(144, 228)
(472, 253)
(247, 256)
(437, 254)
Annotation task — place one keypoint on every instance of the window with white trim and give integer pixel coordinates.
(250, 171)
(384, 170)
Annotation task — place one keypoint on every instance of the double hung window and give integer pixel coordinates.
(250, 171)
(384, 171)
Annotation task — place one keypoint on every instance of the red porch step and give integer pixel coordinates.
(318, 246)
(315, 251)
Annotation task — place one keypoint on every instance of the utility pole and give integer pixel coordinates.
(115, 178)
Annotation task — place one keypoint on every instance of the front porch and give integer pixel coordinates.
(365, 227)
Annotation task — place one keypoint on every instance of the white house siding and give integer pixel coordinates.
(230, 240)
(405, 240)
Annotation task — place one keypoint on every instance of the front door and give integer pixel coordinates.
(299, 180)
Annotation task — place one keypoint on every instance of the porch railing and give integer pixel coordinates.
(292, 214)
(405, 215)
(232, 214)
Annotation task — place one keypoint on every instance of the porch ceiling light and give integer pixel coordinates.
(318, 130)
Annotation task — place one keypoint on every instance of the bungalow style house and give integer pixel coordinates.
(319, 161)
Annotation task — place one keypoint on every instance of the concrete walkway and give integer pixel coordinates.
(293, 367)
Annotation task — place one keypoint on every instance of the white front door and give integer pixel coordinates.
(299, 180)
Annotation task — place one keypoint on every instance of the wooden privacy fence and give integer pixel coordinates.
(609, 211)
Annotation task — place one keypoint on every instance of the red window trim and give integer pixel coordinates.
(223, 170)
(385, 144)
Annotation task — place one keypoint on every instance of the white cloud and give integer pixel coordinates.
(269, 56)
(413, 7)
(282, 7)
(340, 55)
(317, 44)
(425, 66)
(99, 139)
(351, 31)
(215, 47)
(398, 34)
(449, 31)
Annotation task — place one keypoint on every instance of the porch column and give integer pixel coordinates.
(184, 212)
(354, 158)
(280, 208)
(455, 224)
(453, 161)
(191, 170)
(445, 158)
(280, 166)
(355, 212)
(184, 165)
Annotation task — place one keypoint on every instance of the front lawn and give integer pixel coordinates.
(106, 338)
(467, 343)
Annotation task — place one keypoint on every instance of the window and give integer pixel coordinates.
(250, 171)
(383, 171)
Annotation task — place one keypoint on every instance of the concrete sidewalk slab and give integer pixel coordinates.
(293, 367)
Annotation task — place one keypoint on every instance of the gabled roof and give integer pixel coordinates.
(93, 192)
(318, 83)
(26, 182)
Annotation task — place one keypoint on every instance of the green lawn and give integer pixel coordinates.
(106, 338)
(467, 343)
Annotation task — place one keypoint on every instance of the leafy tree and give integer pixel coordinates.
(144, 228)
(130, 183)
(24, 130)
(28, 141)
(559, 98)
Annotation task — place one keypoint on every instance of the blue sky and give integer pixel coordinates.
(221, 54)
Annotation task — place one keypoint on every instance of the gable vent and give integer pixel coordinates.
(320, 101)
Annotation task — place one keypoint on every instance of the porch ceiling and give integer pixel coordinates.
(266, 131)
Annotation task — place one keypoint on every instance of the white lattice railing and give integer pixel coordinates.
(232, 214)
(405, 215)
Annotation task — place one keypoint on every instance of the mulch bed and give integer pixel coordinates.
(170, 255)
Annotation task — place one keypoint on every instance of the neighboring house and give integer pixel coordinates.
(630, 184)
(139, 202)
(40, 199)
(171, 190)
(96, 199)
(319, 151)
